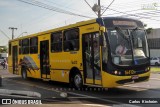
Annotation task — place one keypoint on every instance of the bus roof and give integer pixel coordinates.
(57, 29)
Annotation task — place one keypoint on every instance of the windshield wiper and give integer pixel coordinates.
(132, 33)
(134, 30)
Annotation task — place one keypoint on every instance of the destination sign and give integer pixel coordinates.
(122, 22)
(126, 23)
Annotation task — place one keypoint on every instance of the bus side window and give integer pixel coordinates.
(34, 45)
(56, 42)
(71, 40)
(25, 46)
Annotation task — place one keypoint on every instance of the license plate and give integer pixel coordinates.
(135, 77)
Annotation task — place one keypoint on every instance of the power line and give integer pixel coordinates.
(108, 6)
(132, 14)
(66, 5)
(45, 6)
(5, 34)
(45, 17)
(98, 8)
(147, 14)
(90, 6)
(151, 13)
(129, 4)
(120, 13)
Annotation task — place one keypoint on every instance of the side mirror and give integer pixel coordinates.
(102, 29)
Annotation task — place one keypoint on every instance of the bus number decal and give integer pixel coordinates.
(74, 62)
(91, 28)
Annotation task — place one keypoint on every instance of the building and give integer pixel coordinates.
(154, 42)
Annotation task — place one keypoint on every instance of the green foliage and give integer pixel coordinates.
(149, 30)
(145, 25)
(3, 49)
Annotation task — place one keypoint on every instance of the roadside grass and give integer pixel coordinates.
(155, 69)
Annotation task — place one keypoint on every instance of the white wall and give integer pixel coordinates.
(155, 52)
(155, 33)
(4, 55)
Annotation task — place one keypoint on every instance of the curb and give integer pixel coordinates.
(20, 93)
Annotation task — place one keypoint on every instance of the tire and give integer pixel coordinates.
(156, 64)
(77, 81)
(24, 74)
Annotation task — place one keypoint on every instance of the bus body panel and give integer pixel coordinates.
(110, 81)
(60, 75)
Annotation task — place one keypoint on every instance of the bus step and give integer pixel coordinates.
(92, 85)
(44, 79)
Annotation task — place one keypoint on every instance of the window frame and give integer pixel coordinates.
(33, 46)
(60, 42)
(20, 47)
(24, 47)
(68, 41)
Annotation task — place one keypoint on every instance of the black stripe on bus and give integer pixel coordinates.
(62, 69)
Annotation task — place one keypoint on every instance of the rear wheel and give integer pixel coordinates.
(156, 64)
(77, 81)
(24, 73)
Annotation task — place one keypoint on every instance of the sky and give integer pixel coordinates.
(29, 19)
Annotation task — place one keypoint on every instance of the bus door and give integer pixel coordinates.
(91, 58)
(44, 59)
(15, 59)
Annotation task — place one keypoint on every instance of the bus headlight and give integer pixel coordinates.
(119, 73)
(147, 69)
(116, 72)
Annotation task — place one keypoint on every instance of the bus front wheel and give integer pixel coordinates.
(77, 81)
(24, 74)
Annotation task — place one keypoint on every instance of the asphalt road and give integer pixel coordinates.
(60, 93)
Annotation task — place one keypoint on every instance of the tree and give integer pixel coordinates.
(149, 30)
(3, 49)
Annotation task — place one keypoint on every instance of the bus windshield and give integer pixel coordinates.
(128, 46)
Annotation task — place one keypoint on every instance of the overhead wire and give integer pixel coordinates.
(133, 14)
(108, 6)
(43, 5)
(53, 14)
(148, 14)
(129, 4)
(66, 7)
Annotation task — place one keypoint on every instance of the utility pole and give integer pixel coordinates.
(96, 8)
(99, 11)
(12, 28)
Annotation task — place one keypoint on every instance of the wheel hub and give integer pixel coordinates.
(77, 80)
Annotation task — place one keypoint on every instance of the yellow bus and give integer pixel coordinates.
(102, 52)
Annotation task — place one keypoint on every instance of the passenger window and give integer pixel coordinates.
(56, 42)
(71, 40)
(34, 45)
(25, 46)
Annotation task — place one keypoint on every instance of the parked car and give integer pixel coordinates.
(155, 61)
